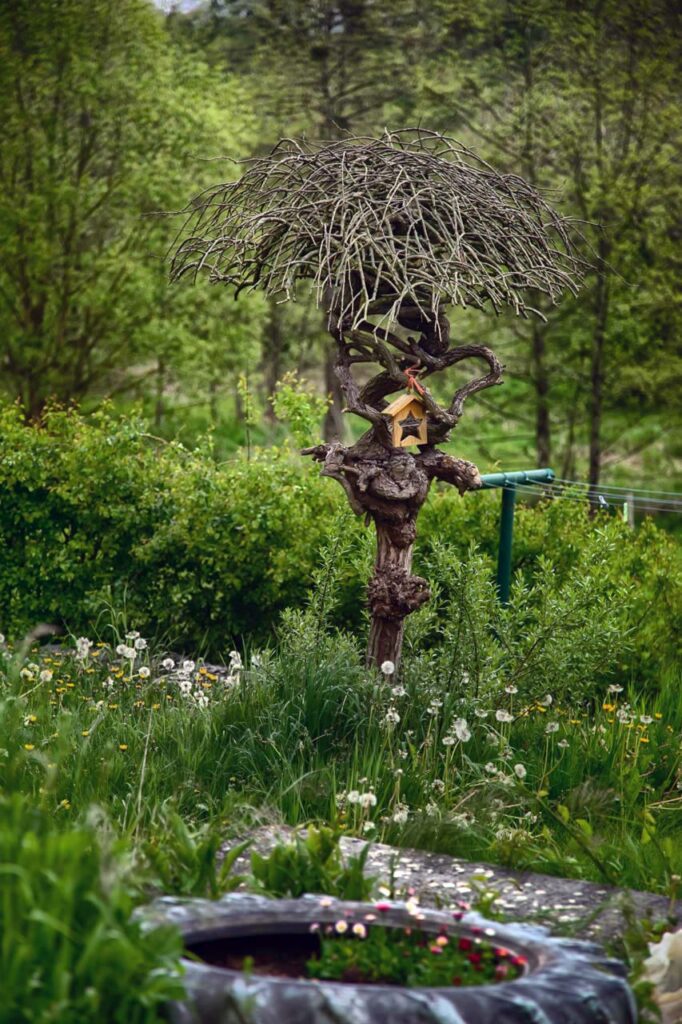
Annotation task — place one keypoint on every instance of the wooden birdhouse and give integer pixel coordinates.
(408, 421)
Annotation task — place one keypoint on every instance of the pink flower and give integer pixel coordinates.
(383, 907)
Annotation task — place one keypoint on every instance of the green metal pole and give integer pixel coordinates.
(504, 561)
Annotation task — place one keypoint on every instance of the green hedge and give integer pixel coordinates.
(98, 513)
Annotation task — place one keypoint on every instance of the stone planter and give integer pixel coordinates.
(565, 982)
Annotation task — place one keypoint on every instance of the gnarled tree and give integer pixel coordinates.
(391, 231)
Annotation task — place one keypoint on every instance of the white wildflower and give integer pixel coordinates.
(563, 744)
(83, 646)
(503, 716)
(520, 771)
(546, 700)
(387, 668)
(391, 718)
(256, 661)
(188, 666)
(26, 674)
(551, 727)
(132, 635)
(398, 691)
(664, 964)
(367, 800)
(140, 644)
(462, 820)
(481, 713)
(46, 675)
(646, 719)
(490, 768)
(353, 797)
(438, 786)
(201, 698)
(431, 809)
(448, 741)
(144, 672)
(400, 814)
(108, 683)
(168, 664)
(235, 661)
(126, 652)
(462, 731)
(614, 689)
(511, 689)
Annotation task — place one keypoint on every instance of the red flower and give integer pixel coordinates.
(465, 944)
(474, 958)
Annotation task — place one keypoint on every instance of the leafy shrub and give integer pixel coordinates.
(70, 952)
(98, 513)
(312, 865)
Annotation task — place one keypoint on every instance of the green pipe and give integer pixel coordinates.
(508, 482)
(504, 558)
(526, 476)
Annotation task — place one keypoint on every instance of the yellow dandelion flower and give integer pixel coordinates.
(31, 718)
(657, 714)
(644, 739)
(123, 746)
(86, 732)
(112, 706)
(29, 746)
(608, 707)
(65, 803)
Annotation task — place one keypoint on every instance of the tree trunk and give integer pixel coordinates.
(390, 486)
(392, 565)
(334, 427)
(273, 350)
(541, 382)
(597, 369)
(160, 386)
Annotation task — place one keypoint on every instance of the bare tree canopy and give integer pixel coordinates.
(410, 219)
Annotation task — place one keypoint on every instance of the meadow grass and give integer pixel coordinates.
(590, 788)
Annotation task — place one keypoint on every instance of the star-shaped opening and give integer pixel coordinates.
(410, 427)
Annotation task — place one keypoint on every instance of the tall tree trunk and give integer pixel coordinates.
(597, 369)
(541, 381)
(538, 359)
(160, 385)
(273, 350)
(334, 427)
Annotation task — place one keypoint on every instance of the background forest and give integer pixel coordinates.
(115, 113)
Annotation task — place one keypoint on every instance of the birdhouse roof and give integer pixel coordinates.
(401, 403)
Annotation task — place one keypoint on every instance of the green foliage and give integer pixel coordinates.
(99, 514)
(70, 952)
(184, 859)
(299, 407)
(312, 865)
(410, 957)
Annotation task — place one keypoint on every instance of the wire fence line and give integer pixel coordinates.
(639, 499)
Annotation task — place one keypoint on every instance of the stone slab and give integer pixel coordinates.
(586, 910)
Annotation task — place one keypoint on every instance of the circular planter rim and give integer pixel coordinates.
(565, 978)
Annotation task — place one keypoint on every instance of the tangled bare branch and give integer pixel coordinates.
(390, 228)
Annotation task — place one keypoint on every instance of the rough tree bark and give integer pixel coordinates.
(388, 485)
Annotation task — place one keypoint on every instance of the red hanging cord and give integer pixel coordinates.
(412, 382)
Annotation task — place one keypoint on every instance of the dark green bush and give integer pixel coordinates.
(70, 953)
(99, 513)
